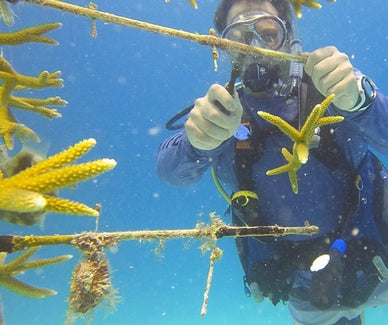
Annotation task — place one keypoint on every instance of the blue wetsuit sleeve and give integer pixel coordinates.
(180, 164)
(371, 123)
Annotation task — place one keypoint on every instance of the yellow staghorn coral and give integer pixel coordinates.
(302, 138)
(31, 34)
(31, 190)
(12, 81)
(37, 105)
(19, 265)
(9, 127)
(192, 2)
(297, 5)
(7, 14)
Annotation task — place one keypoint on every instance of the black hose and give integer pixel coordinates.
(171, 126)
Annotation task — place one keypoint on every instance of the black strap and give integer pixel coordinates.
(247, 153)
(309, 97)
(330, 154)
(274, 283)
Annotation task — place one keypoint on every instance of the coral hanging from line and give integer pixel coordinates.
(302, 139)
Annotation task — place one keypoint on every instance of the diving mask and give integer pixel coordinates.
(259, 29)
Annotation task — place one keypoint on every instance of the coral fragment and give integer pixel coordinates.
(301, 139)
(19, 265)
(32, 189)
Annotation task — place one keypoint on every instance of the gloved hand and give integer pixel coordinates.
(214, 118)
(332, 73)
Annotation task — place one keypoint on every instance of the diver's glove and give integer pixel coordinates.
(326, 277)
(332, 73)
(214, 118)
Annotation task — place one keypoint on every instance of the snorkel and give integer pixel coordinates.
(291, 88)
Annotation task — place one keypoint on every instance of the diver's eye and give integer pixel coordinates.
(269, 32)
(241, 34)
(270, 37)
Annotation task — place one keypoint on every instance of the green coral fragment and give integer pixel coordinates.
(19, 265)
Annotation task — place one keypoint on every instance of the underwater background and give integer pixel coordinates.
(121, 88)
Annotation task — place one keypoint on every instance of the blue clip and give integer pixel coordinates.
(242, 133)
(247, 292)
(340, 245)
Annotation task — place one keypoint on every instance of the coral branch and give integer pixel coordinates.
(36, 105)
(15, 81)
(32, 190)
(32, 34)
(60, 159)
(7, 15)
(19, 265)
(63, 206)
(297, 5)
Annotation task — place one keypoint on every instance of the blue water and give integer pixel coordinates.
(121, 88)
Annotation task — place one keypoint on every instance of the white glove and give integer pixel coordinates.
(332, 73)
(214, 118)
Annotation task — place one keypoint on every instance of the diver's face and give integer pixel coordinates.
(257, 24)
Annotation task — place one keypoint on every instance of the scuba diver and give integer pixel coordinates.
(331, 277)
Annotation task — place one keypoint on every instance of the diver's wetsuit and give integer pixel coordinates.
(321, 188)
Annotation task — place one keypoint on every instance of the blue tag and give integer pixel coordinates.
(242, 133)
(339, 245)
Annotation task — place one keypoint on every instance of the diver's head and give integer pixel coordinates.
(262, 23)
